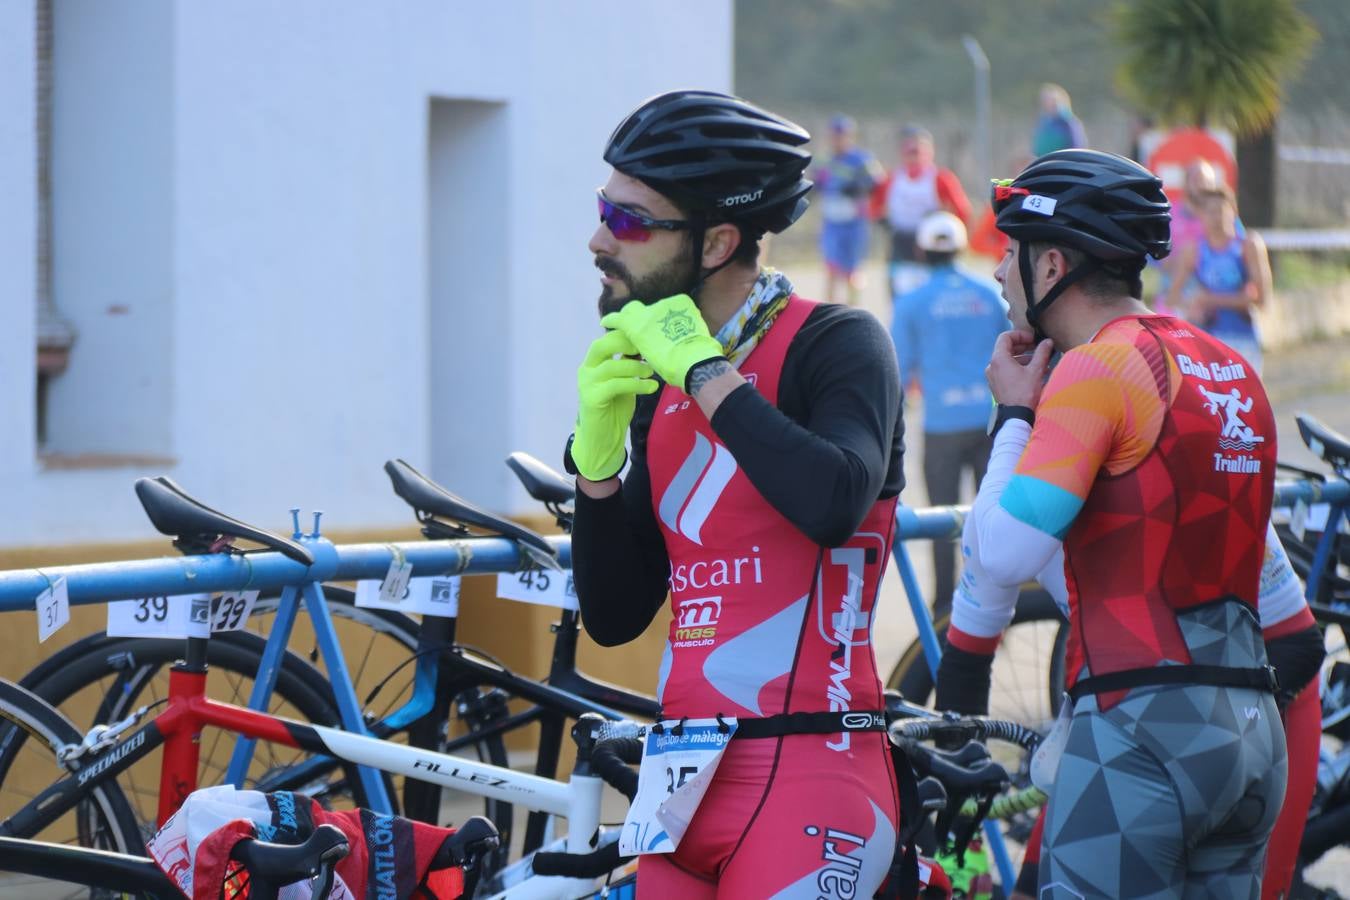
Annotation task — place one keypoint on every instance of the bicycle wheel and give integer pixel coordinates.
(30, 733)
(375, 643)
(101, 680)
(379, 647)
(1028, 679)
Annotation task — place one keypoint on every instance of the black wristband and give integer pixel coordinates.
(1003, 412)
(570, 465)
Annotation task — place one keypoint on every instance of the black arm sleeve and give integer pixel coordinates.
(963, 681)
(833, 445)
(619, 561)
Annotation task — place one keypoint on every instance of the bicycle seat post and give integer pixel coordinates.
(182, 749)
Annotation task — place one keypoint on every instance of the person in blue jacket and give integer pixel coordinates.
(943, 333)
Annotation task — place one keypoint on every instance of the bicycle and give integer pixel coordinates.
(92, 765)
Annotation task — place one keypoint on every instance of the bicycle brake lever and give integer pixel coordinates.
(323, 882)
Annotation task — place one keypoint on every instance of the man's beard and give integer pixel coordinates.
(674, 277)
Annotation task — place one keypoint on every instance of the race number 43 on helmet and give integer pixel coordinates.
(1109, 207)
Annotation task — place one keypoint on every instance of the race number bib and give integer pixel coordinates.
(53, 609)
(675, 774)
(1045, 761)
(838, 208)
(175, 617)
(437, 595)
(541, 586)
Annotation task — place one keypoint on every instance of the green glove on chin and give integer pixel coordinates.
(670, 334)
(607, 390)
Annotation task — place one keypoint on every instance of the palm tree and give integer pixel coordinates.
(1217, 62)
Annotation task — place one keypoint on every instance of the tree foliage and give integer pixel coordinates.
(1211, 62)
(903, 58)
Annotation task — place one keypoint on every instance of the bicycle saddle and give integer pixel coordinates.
(541, 482)
(1332, 447)
(273, 866)
(435, 505)
(197, 528)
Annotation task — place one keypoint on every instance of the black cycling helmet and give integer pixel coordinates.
(1109, 207)
(717, 156)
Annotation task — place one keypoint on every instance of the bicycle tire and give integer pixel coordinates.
(122, 674)
(31, 726)
(1036, 609)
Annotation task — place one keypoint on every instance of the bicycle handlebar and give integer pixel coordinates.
(273, 866)
(578, 865)
(967, 728)
(612, 760)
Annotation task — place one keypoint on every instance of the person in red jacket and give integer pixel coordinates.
(917, 187)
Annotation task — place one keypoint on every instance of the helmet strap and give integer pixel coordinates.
(1036, 308)
(698, 232)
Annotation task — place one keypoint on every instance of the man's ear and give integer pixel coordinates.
(1053, 266)
(719, 243)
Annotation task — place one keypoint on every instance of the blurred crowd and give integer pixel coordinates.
(945, 319)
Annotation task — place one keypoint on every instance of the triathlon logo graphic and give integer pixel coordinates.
(1236, 434)
(677, 325)
(696, 488)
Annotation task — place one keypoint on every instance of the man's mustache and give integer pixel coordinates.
(613, 268)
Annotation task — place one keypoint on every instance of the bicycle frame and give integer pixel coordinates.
(178, 728)
(85, 865)
(1337, 500)
(938, 523)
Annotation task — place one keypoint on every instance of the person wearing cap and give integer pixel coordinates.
(915, 188)
(845, 183)
(944, 331)
(763, 466)
(1149, 454)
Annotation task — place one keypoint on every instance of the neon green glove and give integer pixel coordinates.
(607, 390)
(670, 334)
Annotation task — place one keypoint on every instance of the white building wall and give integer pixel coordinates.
(298, 341)
(18, 253)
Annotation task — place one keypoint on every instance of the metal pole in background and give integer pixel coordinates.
(981, 64)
